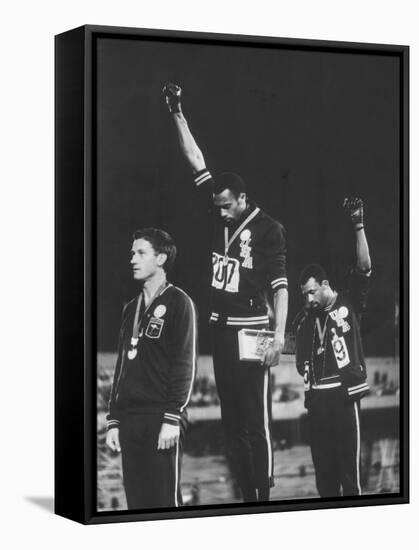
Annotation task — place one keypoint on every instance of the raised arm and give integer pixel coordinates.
(193, 154)
(355, 209)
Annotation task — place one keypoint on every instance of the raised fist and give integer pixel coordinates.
(355, 208)
(172, 94)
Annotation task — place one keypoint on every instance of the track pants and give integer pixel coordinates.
(151, 476)
(335, 442)
(245, 396)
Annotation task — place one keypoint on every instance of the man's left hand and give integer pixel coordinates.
(168, 436)
(355, 208)
(273, 353)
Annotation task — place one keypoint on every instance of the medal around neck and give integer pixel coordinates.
(132, 353)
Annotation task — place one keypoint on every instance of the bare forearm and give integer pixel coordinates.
(281, 311)
(188, 145)
(355, 209)
(363, 259)
(273, 353)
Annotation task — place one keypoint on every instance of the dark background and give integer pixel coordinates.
(303, 128)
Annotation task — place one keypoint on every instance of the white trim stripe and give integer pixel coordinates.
(358, 450)
(242, 321)
(359, 386)
(193, 349)
(170, 415)
(176, 473)
(203, 177)
(260, 318)
(284, 284)
(247, 324)
(326, 386)
(280, 280)
(204, 180)
(228, 242)
(163, 291)
(266, 421)
(203, 174)
(358, 391)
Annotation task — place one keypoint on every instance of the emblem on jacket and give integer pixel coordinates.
(160, 311)
(340, 350)
(154, 327)
(339, 316)
(246, 249)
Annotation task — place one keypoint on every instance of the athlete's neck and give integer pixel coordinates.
(152, 285)
(332, 301)
(243, 214)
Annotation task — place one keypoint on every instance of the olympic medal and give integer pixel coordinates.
(132, 353)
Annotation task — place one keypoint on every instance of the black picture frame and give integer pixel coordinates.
(76, 268)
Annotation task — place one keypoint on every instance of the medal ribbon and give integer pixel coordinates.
(321, 332)
(228, 242)
(137, 321)
(138, 318)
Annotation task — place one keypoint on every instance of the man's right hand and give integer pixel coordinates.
(172, 94)
(112, 440)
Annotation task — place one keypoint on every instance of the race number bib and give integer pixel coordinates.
(226, 274)
(340, 350)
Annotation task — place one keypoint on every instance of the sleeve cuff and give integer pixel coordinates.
(171, 418)
(364, 272)
(202, 176)
(358, 391)
(281, 282)
(112, 424)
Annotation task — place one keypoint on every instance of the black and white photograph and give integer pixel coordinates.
(249, 258)
(208, 265)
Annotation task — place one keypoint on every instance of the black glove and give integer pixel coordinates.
(355, 208)
(172, 94)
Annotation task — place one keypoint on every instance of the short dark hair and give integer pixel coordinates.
(313, 270)
(231, 181)
(161, 242)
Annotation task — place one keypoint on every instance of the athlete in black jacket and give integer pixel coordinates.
(248, 259)
(331, 359)
(153, 377)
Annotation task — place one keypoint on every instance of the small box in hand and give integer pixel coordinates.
(254, 343)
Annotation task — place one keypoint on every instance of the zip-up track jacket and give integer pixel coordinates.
(255, 262)
(161, 376)
(343, 355)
